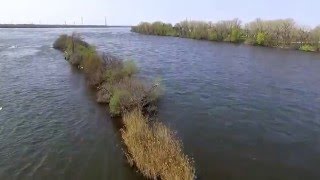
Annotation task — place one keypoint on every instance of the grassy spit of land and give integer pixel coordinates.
(282, 33)
(150, 145)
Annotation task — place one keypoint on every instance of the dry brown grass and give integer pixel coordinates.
(154, 150)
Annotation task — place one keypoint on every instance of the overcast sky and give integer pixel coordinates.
(131, 12)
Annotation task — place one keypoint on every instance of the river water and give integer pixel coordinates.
(242, 112)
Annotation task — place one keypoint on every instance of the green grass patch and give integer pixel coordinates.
(308, 48)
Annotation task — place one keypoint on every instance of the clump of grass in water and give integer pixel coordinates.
(308, 48)
(152, 147)
(154, 150)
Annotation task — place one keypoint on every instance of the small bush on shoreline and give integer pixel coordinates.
(104, 93)
(130, 93)
(61, 42)
(118, 101)
(129, 68)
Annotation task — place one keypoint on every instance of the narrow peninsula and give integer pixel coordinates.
(150, 145)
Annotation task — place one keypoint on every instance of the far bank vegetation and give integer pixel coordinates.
(282, 33)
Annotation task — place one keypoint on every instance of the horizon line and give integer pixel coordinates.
(58, 26)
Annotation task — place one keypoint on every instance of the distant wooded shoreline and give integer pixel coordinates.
(280, 33)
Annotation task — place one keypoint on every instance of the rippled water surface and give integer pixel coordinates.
(242, 112)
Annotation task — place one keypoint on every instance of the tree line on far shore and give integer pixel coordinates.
(282, 33)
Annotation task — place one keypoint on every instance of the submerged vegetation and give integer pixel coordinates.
(282, 33)
(151, 146)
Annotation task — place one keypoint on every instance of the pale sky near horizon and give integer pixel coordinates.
(131, 12)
